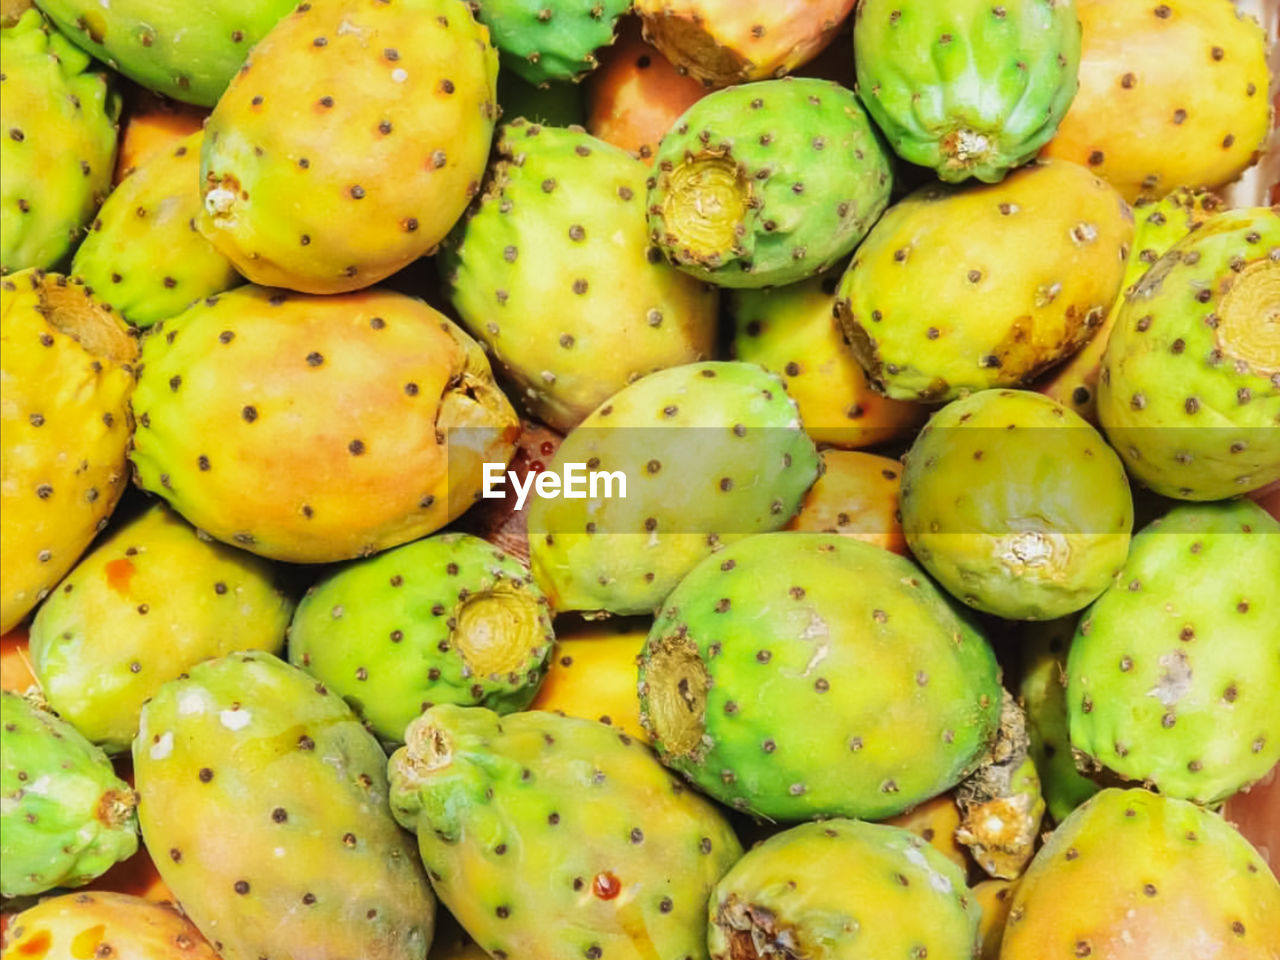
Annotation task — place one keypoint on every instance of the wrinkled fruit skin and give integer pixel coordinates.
(554, 836)
(794, 675)
(1016, 505)
(857, 496)
(592, 675)
(767, 183)
(1044, 255)
(143, 254)
(59, 146)
(553, 272)
(67, 369)
(965, 88)
(379, 114)
(1190, 387)
(102, 924)
(545, 40)
(1171, 94)
(266, 802)
(448, 619)
(66, 816)
(711, 452)
(1172, 672)
(310, 399)
(150, 602)
(1132, 875)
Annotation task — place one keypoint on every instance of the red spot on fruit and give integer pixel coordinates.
(536, 466)
(606, 886)
(119, 572)
(37, 945)
(548, 448)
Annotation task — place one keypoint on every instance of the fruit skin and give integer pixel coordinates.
(59, 146)
(843, 890)
(968, 89)
(767, 183)
(312, 399)
(553, 272)
(149, 602)
(387, 169)
(66, 817)
(1256, 814)
(1016, 505)
(149, 123)
(143, 255)
(712, 452)
(448, 619)
(67, 373)
(1186, 423)
(1171, 94)
(269, 801)
(935, 822)
(592, 674)
(1132, 875)
(856, 496)
(1171, 673)
(545, 40)
(1044, 254)
(15, 663)
(994, 898)
(1158, 225)
(549, 836)
(104, 924)
(722, 42)
(795, 675)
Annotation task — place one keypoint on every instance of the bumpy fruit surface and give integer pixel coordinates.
(967, 88)
(767, 183)
(545, 40)
(1190, 386)
(1132, 875)
(67, 373)
(150, 123)
(793, 674)
(1043, 257)
(66, 816)
(355, 422)
(710, 452)
(151, 601)
(448, 619)
(1016, 505)
(104, 924)
(592, 675)
(1172, 672)
(857, 495)
(554, 273)
(59, 146)
(379, 114)
(1172, 94)
(554, 836)
(266, 800)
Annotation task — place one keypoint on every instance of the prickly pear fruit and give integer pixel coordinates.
(1172, 672)
(12, 10)
(856, 496)
(15, 663)
(379, 114)
(994, 898)
(559, 104)
(592, 675)
(792, 675)
(554, 836)
(710, 452)
(1171, 94)
(792, 331)
(1043, 257)
(767, 183)
(553, 272)
(59, 146)
(1016, 505)
(935, 822)
(1256, 814)
(310, 399)
(1159, 225)
(843, 890)
(104, 924)
(1132, 875)
(266, 801)
(67, 373)
(152, 600)
(966, 88)
(66, 816)
(1190, 387)
(545, 40)
(722, 42)
(150, 123)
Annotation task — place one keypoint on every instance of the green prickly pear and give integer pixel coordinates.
(545, 40)
(107, 925)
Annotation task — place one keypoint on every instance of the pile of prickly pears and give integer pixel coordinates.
(640, 480)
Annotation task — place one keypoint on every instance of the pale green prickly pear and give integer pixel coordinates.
(152, 600)
(264, 801)
(1172, 674)
(107, 925)
(545, 40)
(551, 836)
(553, 272)
(66, 817)
(59, 146)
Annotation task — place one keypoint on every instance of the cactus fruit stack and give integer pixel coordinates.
(545, 40)
(106, 925)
